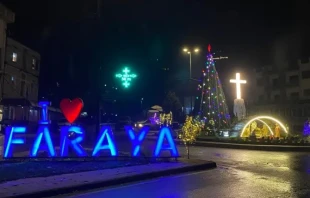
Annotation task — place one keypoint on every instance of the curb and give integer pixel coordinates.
(258, 147)
(255, 147)
(203, 165)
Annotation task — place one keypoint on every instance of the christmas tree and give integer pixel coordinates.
(213, 108)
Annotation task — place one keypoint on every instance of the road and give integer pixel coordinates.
(240, 173)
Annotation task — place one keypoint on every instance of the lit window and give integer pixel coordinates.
(14, 57)
(34, 61)
(13, 80)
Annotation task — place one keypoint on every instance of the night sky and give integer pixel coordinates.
(149, 35)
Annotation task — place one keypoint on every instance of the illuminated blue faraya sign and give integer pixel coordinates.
(14, 136)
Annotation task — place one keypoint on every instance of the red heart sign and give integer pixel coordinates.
(71, 109)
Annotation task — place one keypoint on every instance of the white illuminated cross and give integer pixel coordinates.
(238, 83)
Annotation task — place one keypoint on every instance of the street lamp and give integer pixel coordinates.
(196, 50)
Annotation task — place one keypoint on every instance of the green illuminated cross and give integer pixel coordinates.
(126, 77)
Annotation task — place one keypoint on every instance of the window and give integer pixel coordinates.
(277, 97)
(288, 112)
(275, 82)
(304, 60)
(37, 65)
(13, 80)
(282, 112)
(14, 57)
(32, 86)
(260, 82)
(305, 74)
(34, 63)
(297, 112)
(27, 91)
(307, 111)
(306, 92)
(23, 85)
(33, 115)
(294, 95)
(12, 113)
(5, 113)
(294, 80)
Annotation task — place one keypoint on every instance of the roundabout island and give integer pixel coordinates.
(214, 124)
(260, 130)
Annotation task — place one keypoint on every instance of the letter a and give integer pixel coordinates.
(43, 131)
(105, 133)
(165, 132)
(137, 139)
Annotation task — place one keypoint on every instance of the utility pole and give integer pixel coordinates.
(98, 120)
(189, 52)
(4, 64)
(98, 9)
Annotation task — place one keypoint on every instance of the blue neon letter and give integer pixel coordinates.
(43, 130)
(105, 133)
(65, 141)
(9, 139)
(49, 146)
(165, 132)
(136, 139)
(44, 112)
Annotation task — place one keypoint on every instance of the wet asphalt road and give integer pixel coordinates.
(240, 173)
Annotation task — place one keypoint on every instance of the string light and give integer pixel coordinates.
(213, 104)
(191, 130)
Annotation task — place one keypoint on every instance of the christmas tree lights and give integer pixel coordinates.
(213, 107)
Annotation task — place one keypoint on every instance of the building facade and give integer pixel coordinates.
(284, 92)
(21, 68)
(6, 17)
(20, 82)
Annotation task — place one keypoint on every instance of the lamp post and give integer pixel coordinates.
(196, 50)
(189, 52)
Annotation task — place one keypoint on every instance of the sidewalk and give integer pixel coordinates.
(67, 183)
(262, 147)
